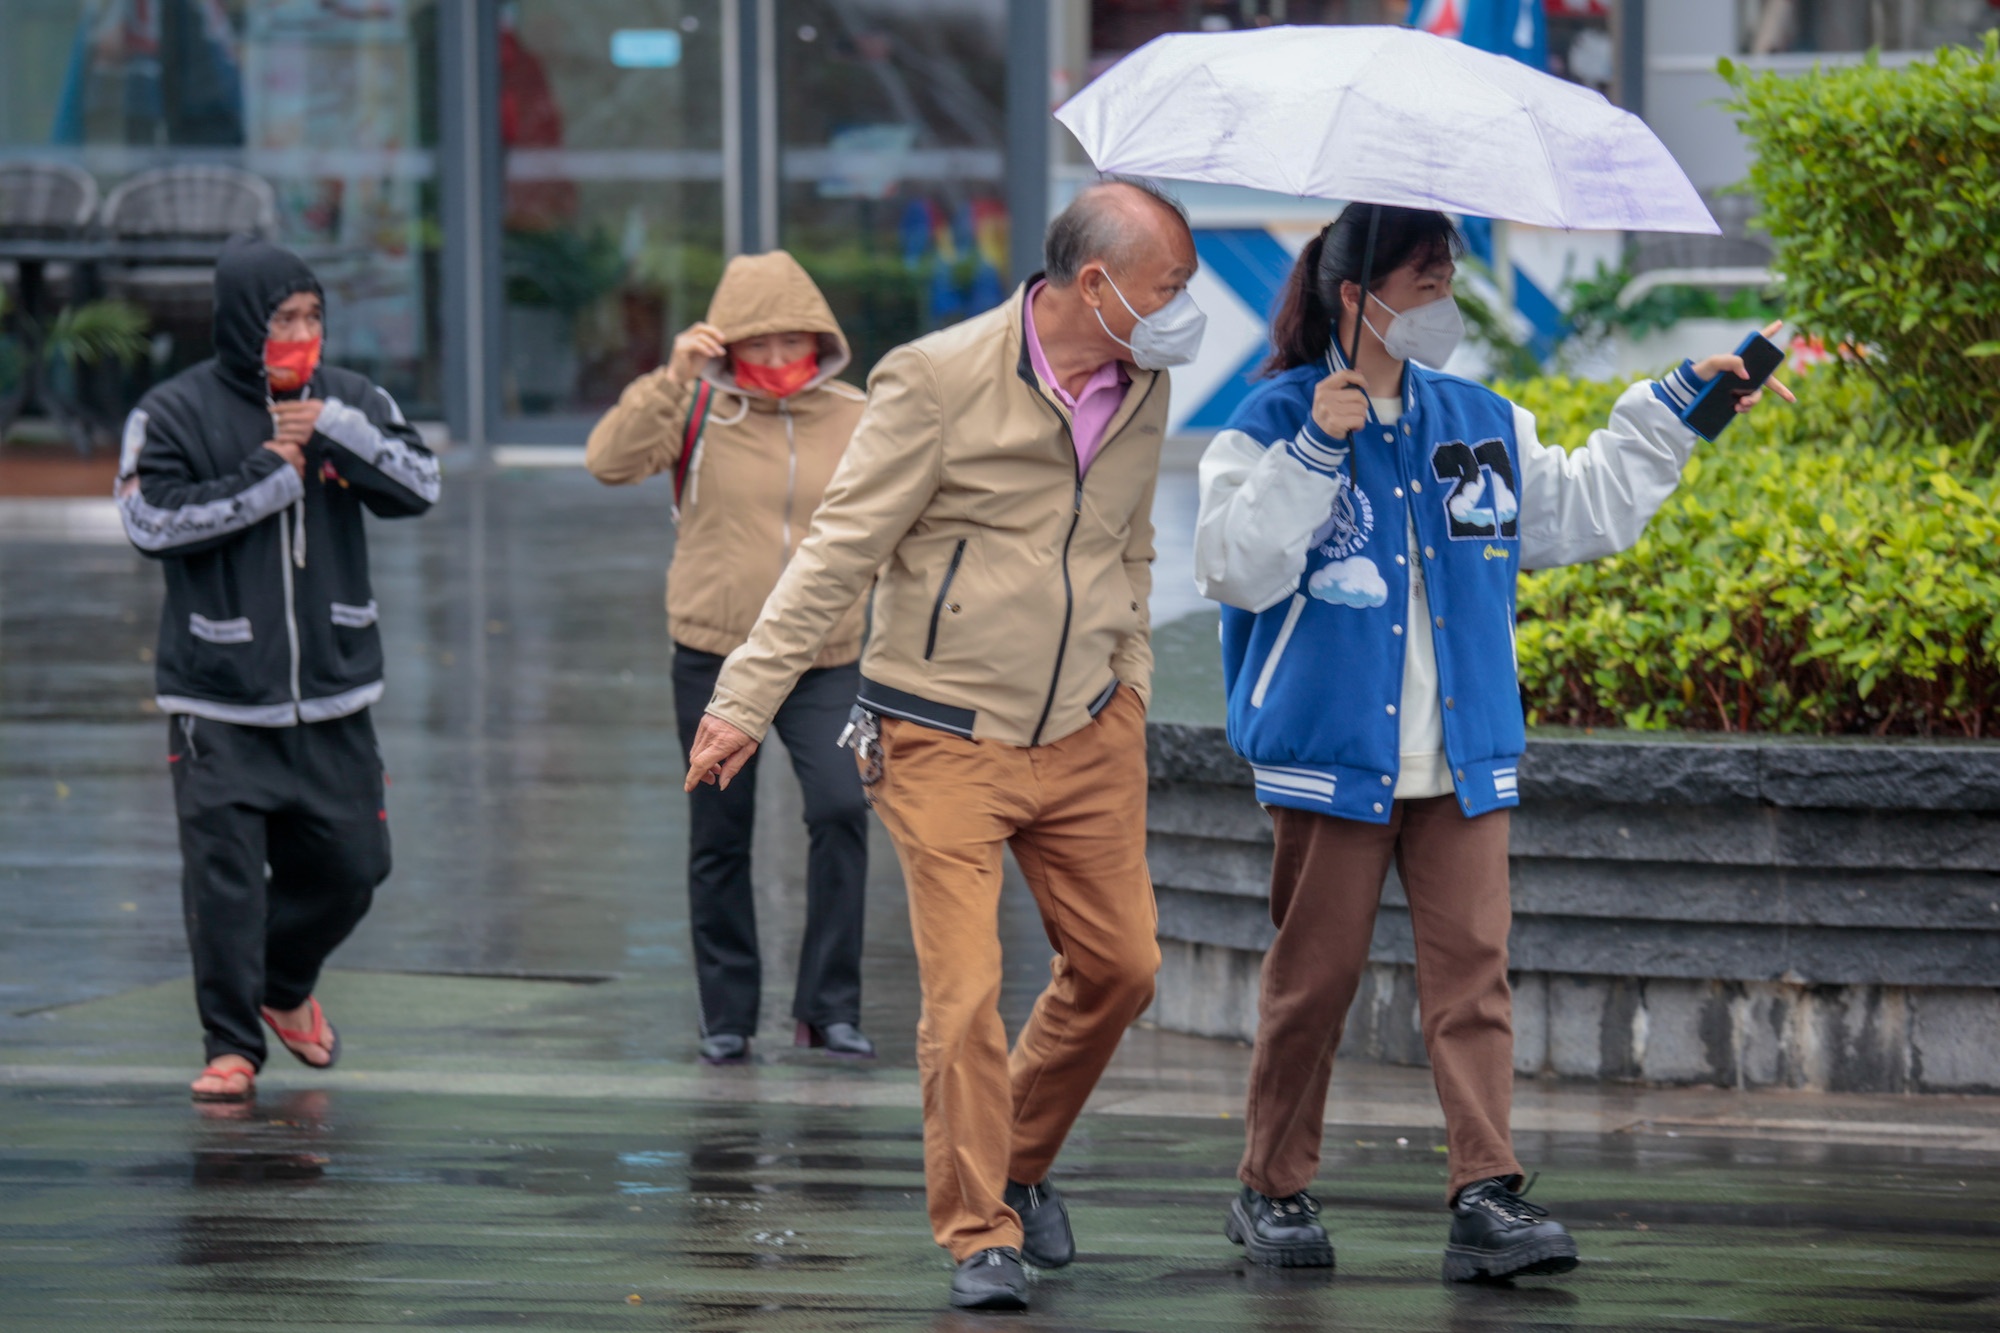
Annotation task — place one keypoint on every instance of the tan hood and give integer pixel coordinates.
(772, 293)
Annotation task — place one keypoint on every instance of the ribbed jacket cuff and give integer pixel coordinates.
(1313, 448)
(1678, 388)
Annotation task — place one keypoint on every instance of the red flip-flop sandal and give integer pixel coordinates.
(322, 1034)
(248, 1093)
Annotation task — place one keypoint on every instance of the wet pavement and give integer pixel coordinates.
(518, 1136)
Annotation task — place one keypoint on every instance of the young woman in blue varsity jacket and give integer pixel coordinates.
(1363, 528)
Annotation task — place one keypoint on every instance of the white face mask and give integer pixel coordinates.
(1170, 336)
(1429, 333)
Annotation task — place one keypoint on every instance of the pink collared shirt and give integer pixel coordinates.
(1089, 412)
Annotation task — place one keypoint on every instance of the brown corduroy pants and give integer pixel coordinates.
(1075, 814)
(1326, 879)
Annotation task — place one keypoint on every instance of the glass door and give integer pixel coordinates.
(611, 126)
(892, 161)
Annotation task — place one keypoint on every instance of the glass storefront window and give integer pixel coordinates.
(611, 130)
(892, 160)
(321, 119)
(1769, 27)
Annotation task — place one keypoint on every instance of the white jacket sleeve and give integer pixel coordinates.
(1595, 501)
(1259, 510)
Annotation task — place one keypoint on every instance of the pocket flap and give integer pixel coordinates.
(220, 631)
(353, 617)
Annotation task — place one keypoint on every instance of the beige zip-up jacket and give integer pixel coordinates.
(1011, 598)
(759, 470)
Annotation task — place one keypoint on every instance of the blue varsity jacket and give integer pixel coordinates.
(1314, 682)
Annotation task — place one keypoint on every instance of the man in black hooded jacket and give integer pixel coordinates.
(246, 476)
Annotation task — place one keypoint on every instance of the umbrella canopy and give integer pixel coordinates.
(1385, 116)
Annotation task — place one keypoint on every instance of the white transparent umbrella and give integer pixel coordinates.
(1382, 115)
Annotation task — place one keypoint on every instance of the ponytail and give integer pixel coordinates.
(1302, 331)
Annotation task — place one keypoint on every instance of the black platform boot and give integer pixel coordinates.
(1496, 1234)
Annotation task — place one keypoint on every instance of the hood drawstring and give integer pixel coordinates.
(299, 505)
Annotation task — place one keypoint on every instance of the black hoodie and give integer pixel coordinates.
(269, 618)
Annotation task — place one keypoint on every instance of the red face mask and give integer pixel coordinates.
(778, 381)
(288, 365)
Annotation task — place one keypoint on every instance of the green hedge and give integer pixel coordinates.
(1881, 189)
(1811, 575)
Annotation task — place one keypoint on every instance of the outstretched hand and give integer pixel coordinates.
(1711, 366)
(719, 753)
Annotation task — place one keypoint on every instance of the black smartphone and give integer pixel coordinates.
(1715, 406)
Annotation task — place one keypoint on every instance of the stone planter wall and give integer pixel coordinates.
(1743, 913)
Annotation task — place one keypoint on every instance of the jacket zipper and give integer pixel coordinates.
(791, 481)
(291, 616)
(1075, 514)
(944, 589)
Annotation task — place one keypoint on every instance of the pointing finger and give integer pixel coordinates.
(1778, 387)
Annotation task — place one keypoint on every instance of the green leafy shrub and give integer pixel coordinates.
(1812, 575)
(1881, 189)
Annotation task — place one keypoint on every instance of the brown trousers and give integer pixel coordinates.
(1326, 879)
(1075, 814)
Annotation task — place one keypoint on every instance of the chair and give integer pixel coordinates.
(182, 203)
(43, 200)
(190, 202)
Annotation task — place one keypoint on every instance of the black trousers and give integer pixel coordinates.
(284, 838)
(721, 910)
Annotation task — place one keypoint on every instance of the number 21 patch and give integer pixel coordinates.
(1481, 501)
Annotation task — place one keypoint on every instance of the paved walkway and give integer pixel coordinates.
(518, 1136)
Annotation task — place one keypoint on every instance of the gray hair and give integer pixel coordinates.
(1094, 226)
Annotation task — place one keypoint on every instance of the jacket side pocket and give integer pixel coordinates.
(353, 617)
(220, 631)
(1277, 650)
(944, 590)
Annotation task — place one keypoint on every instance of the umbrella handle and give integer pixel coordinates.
(1367, 272)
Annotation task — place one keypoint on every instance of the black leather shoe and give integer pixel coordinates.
(1279, 1233)
(840, 1039)
(725, 1048)
(1496, 1234)
(1046, 1241)
(991, 1280)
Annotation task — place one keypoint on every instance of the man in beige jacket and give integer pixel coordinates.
(754, 387)
(1001, 481)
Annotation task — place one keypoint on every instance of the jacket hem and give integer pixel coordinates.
(273, 715)
(1360, 794)
(889, 701)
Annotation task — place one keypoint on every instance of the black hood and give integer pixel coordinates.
(252, 278)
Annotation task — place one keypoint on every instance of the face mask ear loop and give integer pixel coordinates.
(1128, 310)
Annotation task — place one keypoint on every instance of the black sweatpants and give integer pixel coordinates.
(284, 838)
(720, 907)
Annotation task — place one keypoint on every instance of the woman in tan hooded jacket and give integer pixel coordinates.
(767, 434)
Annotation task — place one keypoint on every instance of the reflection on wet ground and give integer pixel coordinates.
(356, 1209)
(518, 1136)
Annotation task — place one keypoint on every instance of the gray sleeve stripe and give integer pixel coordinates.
(351, 429)
(154, 529)
(395, 409)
